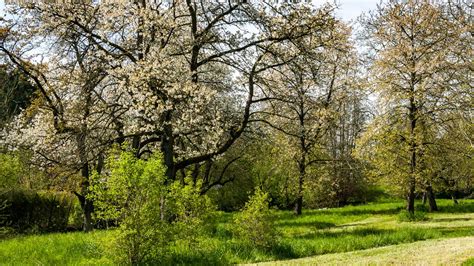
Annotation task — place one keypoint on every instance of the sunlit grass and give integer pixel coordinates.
(316, 232)
(55, 249)
(444, 251)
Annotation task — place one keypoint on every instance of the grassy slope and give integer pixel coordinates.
(451, 251)
(316, 232)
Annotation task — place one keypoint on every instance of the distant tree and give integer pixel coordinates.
(304, 96)
(345, 179)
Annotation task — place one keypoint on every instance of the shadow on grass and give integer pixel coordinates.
(358, 212)
(460, 208)
(436, 220)
(355, 211)
(314, 224)
(457, 231)
(283, 251)
(356, 233)
(356, 224)
(205, 258)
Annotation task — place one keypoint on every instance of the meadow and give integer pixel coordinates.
(316, 232)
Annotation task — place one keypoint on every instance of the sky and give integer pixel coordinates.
(349, 9)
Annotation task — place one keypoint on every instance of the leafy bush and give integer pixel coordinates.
(405, 216)
(10, 170)
(31, 211)
(254, 224)
(152, 213)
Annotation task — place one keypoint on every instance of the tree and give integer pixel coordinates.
(345, 180)
(74, 120)
(177, 77)
(413, 48)
(304, 96)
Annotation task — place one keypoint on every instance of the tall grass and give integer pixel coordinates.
(56, 249)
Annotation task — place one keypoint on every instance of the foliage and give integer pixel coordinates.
(468, 262)
(33, 211)
(151, 212)
(17, 172)
(16, 93)
(4, 230)
(11, 170)
(254, 223)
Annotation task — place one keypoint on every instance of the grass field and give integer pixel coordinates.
(316, 232)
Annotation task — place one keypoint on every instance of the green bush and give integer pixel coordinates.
(31, 211)
(10, 170)
(405, 216)
(152, 213)
(254, 224)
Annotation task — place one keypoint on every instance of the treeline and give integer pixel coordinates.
(236, 97)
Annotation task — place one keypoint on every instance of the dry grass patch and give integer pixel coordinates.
(453, 251)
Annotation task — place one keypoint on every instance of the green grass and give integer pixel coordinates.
(316, 232)
(469, 262)
(55, 249)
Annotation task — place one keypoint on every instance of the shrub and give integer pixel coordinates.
(254, 224)
(405, 216)
(151, 212)
(32, 211)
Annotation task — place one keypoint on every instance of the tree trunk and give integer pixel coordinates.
(412, 116)
(431, 199)
(423, 198)
(86, 204)
(87, 207)
(299, 199)
(411, 200)
(412, 181)
(299, 205)
(455, 201)
(167, 148)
